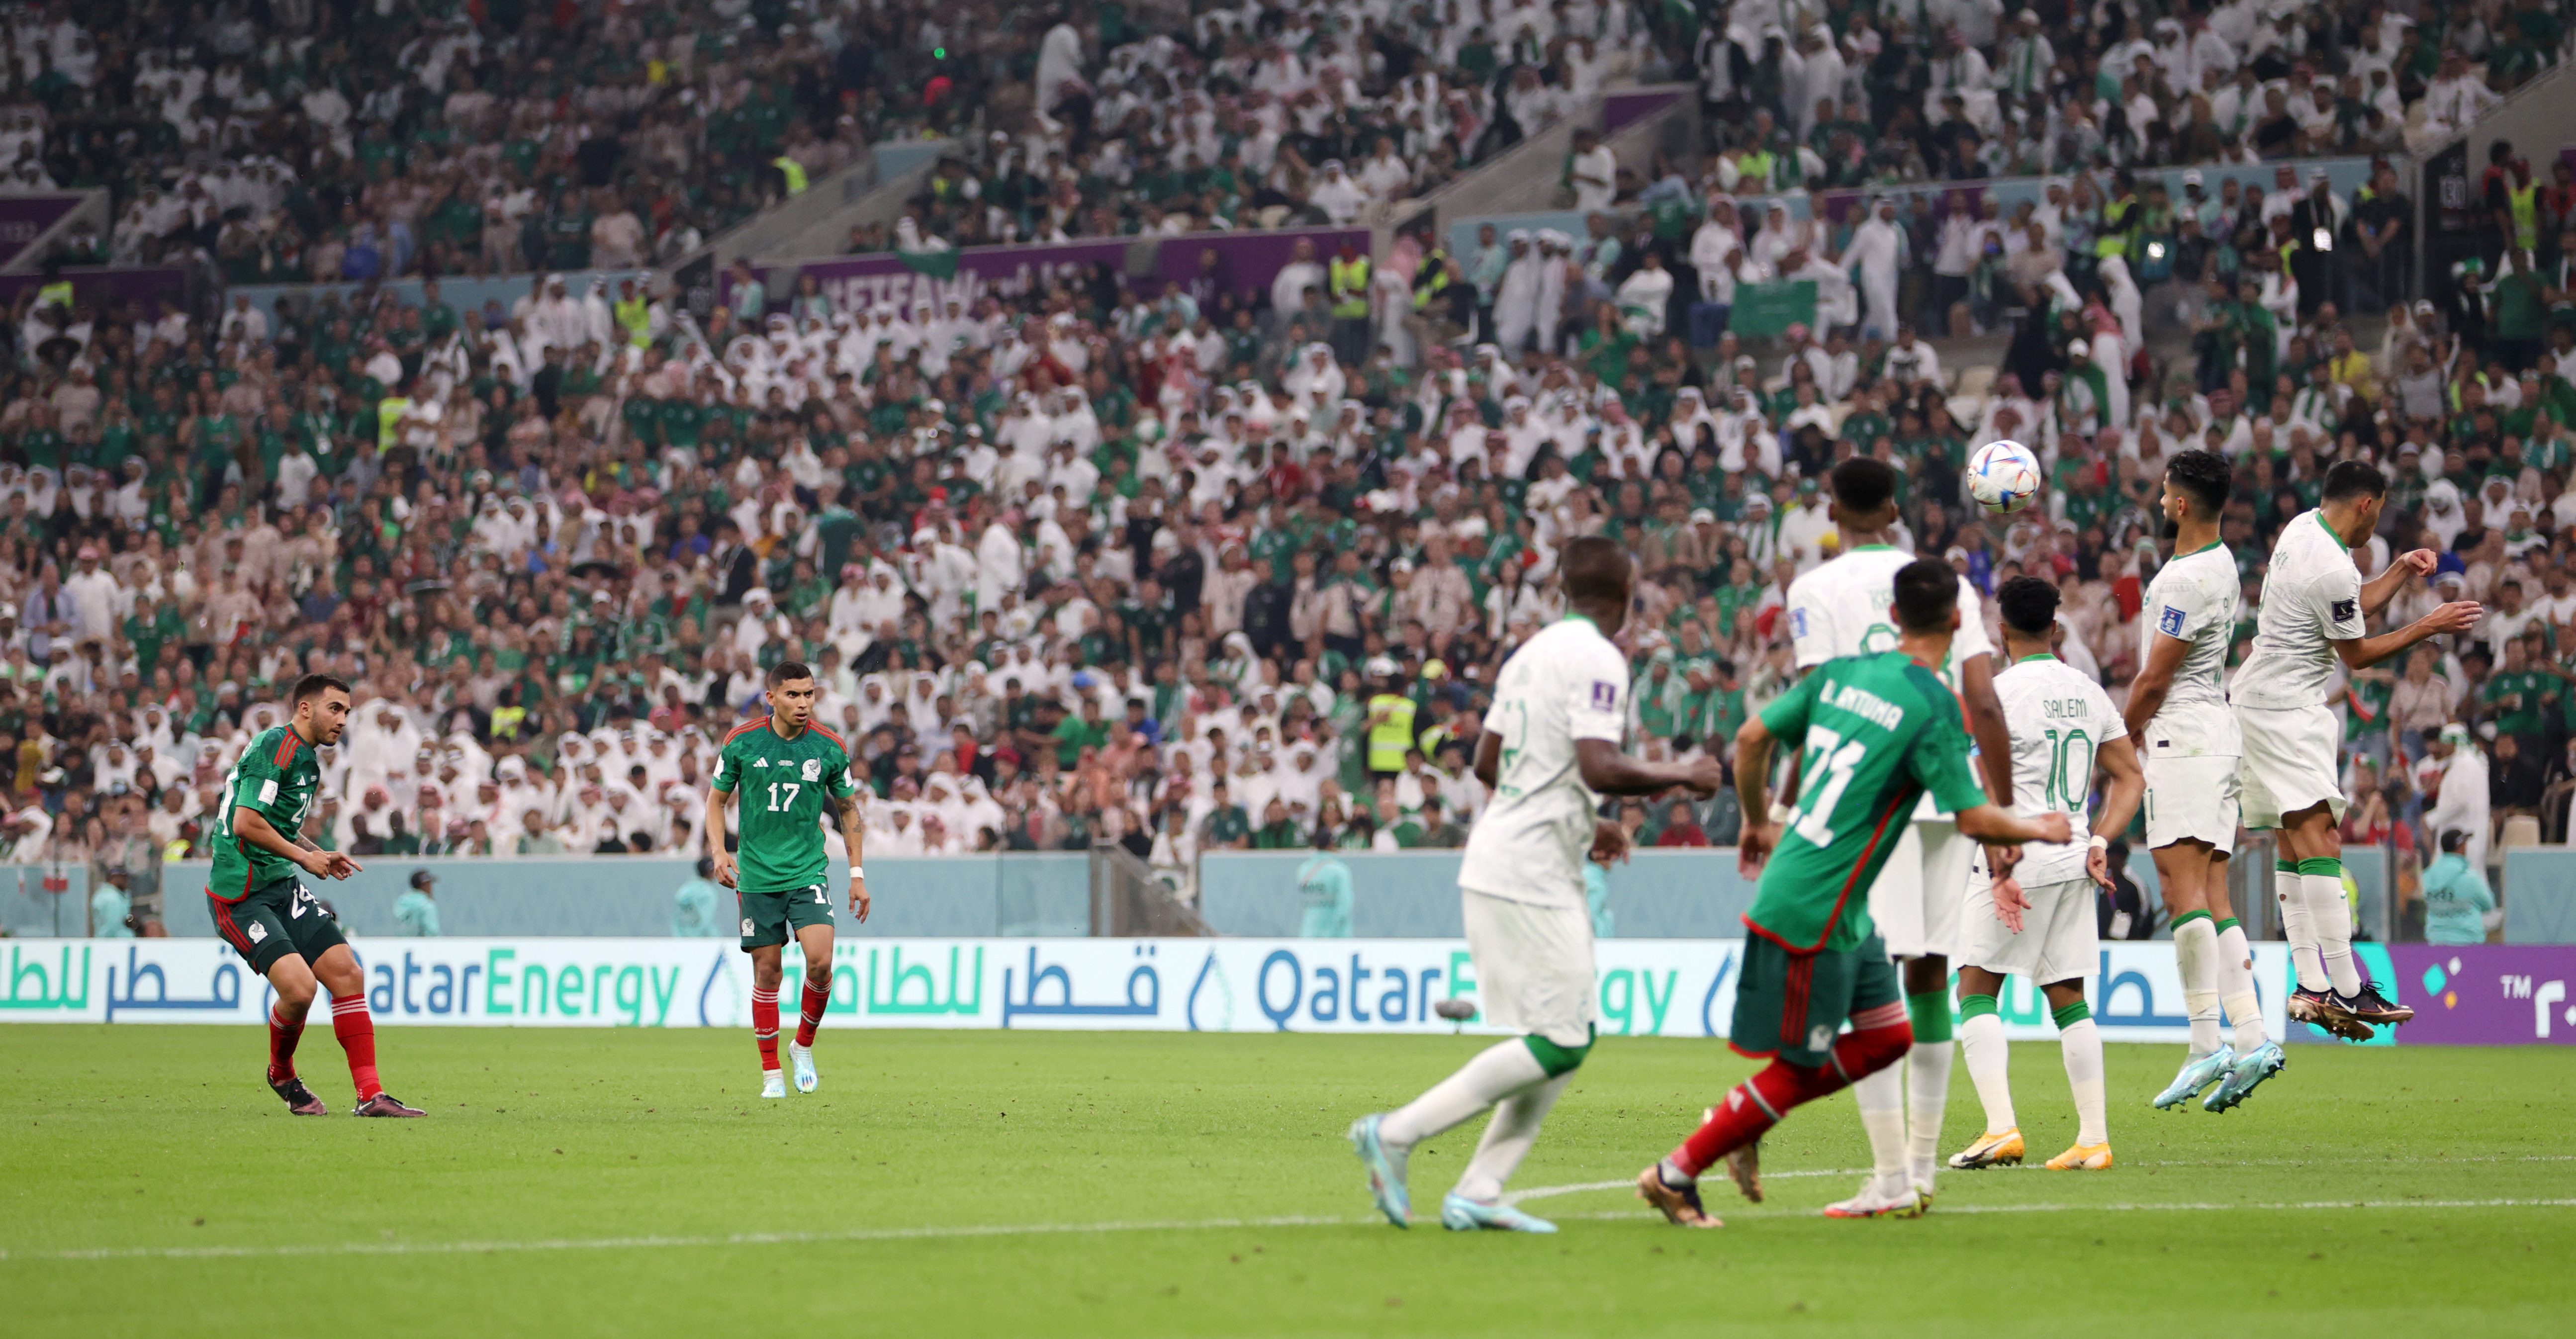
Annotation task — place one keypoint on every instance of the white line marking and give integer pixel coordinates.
(1545, 1192)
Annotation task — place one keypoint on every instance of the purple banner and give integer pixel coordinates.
(139, 284)
(24, 218)
(2486, 994)
(860, 282)
(1246, 262)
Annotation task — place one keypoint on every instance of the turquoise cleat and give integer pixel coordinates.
(1385, 1171)
(2245, 1075)
(1460, 1214)
(2195, 1076)
(801, 1059)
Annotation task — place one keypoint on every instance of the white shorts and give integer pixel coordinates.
(1533, 967)
(1915, 901)
(2058, 939)
(2192, 799)
(2289, 764)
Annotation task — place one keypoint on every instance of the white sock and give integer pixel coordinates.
(2081, 1045)
(1881, 1095)
(1989, 1060)
(2196, 959)
(2236, 989)
(1508, 1137)
(1497, 1072)
(1927, 1097)
(2331, 917)
(2299, 929)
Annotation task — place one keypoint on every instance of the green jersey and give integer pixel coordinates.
(1876, 732)
(782, 783)
(276, 778)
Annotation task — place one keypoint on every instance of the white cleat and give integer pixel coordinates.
(773, 1083)
(802, 1057)
(1904, 1200)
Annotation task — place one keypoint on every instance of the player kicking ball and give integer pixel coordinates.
(2314, 609)
(2190, 751)
(1549, 752)
(786, 768)
(267, 914)
(1875, 733)
(2038, 924)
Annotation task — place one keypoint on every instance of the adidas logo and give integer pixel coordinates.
(764, 762)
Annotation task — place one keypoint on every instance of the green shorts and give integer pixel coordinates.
(274, 921)
(769, 918)
(1792, 1005)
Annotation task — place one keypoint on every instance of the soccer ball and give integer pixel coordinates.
(2003, 477)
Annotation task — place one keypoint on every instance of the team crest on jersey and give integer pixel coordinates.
(2170, 621)
(813, 769)
(1797, 622)
(1820, 1038)
(746, 925)
(2344, 610)
(258, 932)
(1605, 695)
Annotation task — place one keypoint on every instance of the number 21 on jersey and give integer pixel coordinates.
(1825, 773)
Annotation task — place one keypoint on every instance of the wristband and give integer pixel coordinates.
(1779, 813)
(2100, 842)
(857, 873)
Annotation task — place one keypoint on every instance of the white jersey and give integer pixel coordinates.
(1840, 608)
(1567, 683)
(2059, 719)
(2311, 598)
(2194, 598)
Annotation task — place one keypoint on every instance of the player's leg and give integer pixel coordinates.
(1981, 1040)
(767, 970)
(814, 937)
(1897, 906)
(1947, 857)
(2235, 966)
(2184, 869)
(337, 969)
(257, 932)
(2079, 1043)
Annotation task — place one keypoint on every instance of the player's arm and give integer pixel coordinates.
(1489, 758)
(2154, 680)
(1994, 747)
(2359, 653)
(1610, 772)
(2405, 567)
(714, 828)
(1753, 745)
(2118, 759)
(252, 825)
(854, 836)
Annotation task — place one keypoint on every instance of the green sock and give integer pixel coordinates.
(2188, 917)
(2324, 864)
(1930, 1013)
(1972, 1006)
(2228, 924)
(2071, 1015)
(2285, 866)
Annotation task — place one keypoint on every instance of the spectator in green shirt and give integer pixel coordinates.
(1227, 827)
(2520, 698)
(417, 910)
(694, 913)
(1278, 831)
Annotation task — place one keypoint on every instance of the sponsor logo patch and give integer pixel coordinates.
(2345, 610)
(2169, 621)
(1605, 695)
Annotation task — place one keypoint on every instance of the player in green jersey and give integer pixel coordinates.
(268, 916)
(787, 769)
(1876, 732)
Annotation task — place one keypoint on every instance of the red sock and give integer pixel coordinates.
(356, 1029)
(816, 1000)
(282, 1036)
(764, 1026)
(1755, 1105)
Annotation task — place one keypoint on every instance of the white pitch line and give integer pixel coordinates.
(1545, 1192)
(1075, 1229)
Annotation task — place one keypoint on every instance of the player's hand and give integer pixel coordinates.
(2053, 827)
(1753, 846)
(2001, 859)
(328, 864)
(2010, 902)
(2420, 561)
(2457, 616)
(2097, 863)
(1707, 776)
(859, 897)
(1609, 843)
(724, 869)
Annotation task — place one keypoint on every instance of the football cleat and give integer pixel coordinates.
(2195, 1076)
(2082, 1158)
(1992, 1149)
(1679, 1204)
(1461, 1214)
(2319, 1007)
(1905, 1201)
(298, 1098)
(1745, 1165)
(1385, 1173)
(2368, 1005)
(772, 1083)
(2245, 1075)
(385, 1104)
(802, 1057)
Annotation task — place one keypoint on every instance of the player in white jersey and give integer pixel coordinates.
(1549, 752)
(2038, 925)
(1840, 609)
(2179, 717)
(2314, 607)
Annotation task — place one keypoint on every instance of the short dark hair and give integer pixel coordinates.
(2204, 476)
(789, 671)
(1862, 484)
(2029, 605)
(1927, 594)
(2453, 839)
(1596, 569)
(313, 685)
(2353, 478)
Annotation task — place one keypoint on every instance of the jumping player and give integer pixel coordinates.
(2039, 924)
(1875, 732)
(2314, 607)
(786, 767)
(1550, 750)
(267, 914)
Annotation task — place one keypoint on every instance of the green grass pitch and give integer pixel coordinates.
(578, 1183)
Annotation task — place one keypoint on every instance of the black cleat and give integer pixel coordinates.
(2368, 1005)
(2326, 1011)
(384, 1104)
(298, 1098)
